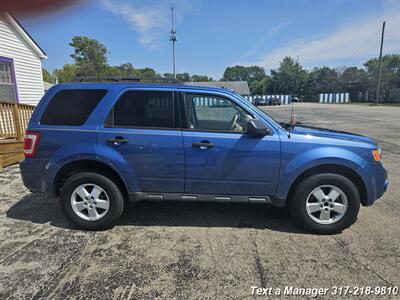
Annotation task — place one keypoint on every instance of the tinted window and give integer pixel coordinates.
(143, 109)
(213, 113)
(71, 107)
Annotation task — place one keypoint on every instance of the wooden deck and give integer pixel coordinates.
(11, 152)
(14, 119)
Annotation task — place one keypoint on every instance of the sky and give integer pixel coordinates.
(214, 34)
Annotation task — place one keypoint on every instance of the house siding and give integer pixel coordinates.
(27, 64)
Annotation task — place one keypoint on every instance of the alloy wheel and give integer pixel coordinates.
(326, 204)
(90, 202)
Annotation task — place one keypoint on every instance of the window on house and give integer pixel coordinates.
(7, 89)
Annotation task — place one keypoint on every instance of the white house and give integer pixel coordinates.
(21, 57)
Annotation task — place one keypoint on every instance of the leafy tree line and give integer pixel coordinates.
(291, 78)
(90, 59)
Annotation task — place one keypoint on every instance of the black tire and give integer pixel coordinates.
(116, 200)
(297, 203)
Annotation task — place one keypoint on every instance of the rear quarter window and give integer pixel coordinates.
(71, 107)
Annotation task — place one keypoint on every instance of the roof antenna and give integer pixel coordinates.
(292, 115)
(173, 39)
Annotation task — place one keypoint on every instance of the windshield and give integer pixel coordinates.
(269, 118)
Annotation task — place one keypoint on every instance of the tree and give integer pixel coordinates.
(390, 76)
(354, 81)
(262, 87)
(148, 74)
(200, 78)
(290, 77)
(249, 74)
(127, 70)
(184, 77)
(235, 73)
(252, 75)
(123, 70)
(66, 74)
(90, 56)
(255, 73)
(47, 77)
(168, 76)
(323, 80)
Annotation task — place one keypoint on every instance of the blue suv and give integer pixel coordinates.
(98, 145)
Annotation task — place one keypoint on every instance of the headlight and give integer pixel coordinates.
(377, 154)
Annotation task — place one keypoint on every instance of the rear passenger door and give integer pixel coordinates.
(142, 132)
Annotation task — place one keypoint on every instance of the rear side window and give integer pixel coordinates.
(71, 107)
(143, 109)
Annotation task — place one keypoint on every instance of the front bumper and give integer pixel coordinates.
(376, 181)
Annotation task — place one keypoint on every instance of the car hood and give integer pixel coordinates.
(329, 133)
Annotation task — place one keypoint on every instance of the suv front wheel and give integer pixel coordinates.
(92, 201)
(325, 203)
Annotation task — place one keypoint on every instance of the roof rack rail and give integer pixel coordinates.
(161, 80)
(125, 79)
(106, 78)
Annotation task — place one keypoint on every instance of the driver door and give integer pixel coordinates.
(220, 158)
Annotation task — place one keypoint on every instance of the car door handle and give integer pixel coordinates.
(203, 145)
(117, 140)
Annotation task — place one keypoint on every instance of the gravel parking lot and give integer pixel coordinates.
(185, 251)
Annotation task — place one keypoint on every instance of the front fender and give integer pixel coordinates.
(294, 165)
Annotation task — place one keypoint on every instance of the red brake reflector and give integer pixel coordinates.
(31, 142)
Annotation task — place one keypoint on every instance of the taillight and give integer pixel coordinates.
(31, 142)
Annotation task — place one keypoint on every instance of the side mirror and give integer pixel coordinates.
(257, 128)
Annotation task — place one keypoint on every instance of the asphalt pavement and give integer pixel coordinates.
(200, 250)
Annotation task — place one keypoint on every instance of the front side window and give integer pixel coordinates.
(143, 109)
(214, 113)
(7, 88)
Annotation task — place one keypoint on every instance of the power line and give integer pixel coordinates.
(358, 49)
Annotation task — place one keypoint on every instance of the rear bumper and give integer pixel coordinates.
(376, 180)
(30, 176)
(36, 174)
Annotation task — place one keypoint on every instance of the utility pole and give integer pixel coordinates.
(173, 39)
(380, 65)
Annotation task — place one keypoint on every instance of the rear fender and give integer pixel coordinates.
(74, 152)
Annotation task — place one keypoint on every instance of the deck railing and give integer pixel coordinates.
(14, 119)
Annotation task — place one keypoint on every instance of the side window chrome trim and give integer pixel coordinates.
(140, 128)
(175, 132)
(212, 131)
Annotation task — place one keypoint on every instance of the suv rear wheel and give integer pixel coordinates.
(92, 201)
(325, 203)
